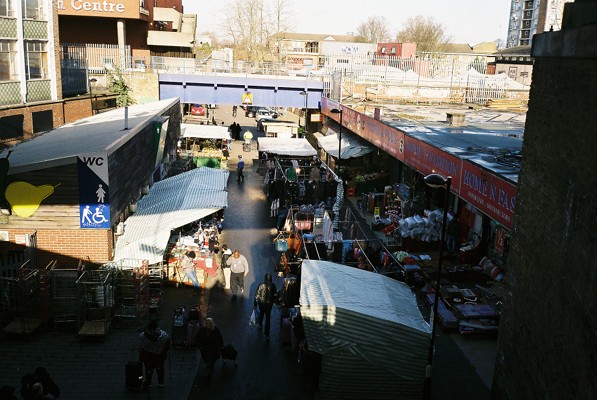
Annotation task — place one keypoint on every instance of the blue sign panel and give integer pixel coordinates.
(94, 191)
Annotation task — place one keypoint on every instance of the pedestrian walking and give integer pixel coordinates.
(236, 130)
(239, 269)
(265, 297)
(153, 350)
(188, 267)
(240, 167)
(210, 341)
(234, 110)
(226, 253)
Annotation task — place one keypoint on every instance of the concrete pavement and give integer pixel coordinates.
(95, 369)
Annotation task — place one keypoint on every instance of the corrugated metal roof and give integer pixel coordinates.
(171, 203)
(101, 133)
(363, 323)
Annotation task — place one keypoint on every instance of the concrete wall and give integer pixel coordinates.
(548, 333)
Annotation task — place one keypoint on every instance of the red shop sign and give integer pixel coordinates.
(492, 195)
(427, 159)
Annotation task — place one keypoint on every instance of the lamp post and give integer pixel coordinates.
(91, 82)
(338, 111)
(436, 181)
(306, 94)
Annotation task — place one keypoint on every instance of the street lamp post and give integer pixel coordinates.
(338, 111)
(436, 181)
(306, 94)
(91, 82)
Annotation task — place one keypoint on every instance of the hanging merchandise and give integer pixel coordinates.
(281, 243)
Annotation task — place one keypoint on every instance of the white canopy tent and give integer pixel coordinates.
(204, 131)
(351, 145)
(171, 203)
(368, 329)
(299, 147)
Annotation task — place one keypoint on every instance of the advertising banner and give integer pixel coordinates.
(427, 160)
(491, 195)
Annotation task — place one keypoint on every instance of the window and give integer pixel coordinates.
(36, 60)
(32, 9)
(393, 51)
(383, 50)
(7, 61)
(6, 8)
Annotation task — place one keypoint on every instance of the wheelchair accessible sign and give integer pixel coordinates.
(94, 191)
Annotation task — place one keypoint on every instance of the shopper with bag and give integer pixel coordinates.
(226, 253)
(265, 298)
(210, 341)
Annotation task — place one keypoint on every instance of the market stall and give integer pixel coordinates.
(285, 147)
(363, 325)
(172, 203)
(279, 129)
(206, 145)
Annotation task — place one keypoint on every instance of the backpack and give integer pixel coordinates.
(194, 314)
(179, 316)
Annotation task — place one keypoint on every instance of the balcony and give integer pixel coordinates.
(170, 39)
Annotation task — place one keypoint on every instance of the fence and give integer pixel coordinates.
(95, 58)
(429, 77)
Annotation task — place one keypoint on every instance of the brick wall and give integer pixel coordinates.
(66, 246)
(547, 338)
(63, 111)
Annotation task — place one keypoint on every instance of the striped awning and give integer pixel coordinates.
(170, 204)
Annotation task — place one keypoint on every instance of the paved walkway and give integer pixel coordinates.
(95, 369)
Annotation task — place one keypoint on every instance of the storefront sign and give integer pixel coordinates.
(99, 8)
(384, 137)
(490, 194)
(427, 160)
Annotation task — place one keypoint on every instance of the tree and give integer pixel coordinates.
(429, 35)
(119, 86)
(374, 30)
(251, 23)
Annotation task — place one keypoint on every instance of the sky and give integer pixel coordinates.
(466, 21)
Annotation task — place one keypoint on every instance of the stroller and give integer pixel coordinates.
(179, 326)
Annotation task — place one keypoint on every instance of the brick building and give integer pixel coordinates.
(64, 202)
(547, 337)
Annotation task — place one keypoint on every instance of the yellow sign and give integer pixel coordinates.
(247, 98)
(376, 211)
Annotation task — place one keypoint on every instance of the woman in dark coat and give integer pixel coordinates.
(210, 343)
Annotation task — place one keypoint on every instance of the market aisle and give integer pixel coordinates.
(265, 370)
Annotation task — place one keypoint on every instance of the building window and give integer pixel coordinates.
(393, 51)
(36, 60)
(6, 8)
(383, 50)
(33, 9)
(7, 61)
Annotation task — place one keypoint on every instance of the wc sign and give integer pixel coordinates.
(94, 191)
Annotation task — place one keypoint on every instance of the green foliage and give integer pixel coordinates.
(119, 86)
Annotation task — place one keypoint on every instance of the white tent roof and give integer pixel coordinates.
(286, 147)
(367, 327)
(351, 146)
(204, 131)
(171, 203)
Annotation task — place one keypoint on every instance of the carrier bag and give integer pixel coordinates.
(280, 243)
(228, 352)
(133, 373)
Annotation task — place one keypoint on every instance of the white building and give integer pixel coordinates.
(529, 17)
